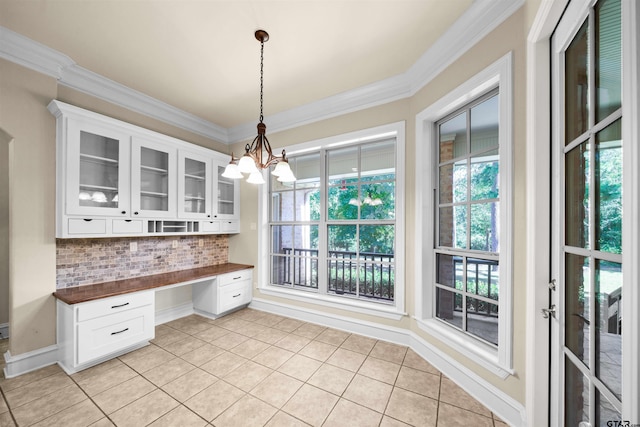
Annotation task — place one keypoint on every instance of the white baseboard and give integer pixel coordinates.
(507, 408)
(173, 313)
(30, 361)
(4, 330)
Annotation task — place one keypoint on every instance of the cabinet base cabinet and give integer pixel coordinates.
(84, 341)
(225, 293)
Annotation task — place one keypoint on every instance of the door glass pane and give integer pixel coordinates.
(576, 395)
(577, 292)
(606, 412)
(377, 242)
(453, 138)
(577, 85)
(99, 158)
(609, 325)
(226, 193)
(154, 179)
(195, 176)
(577, 196)
(449, 307)
(608, 202)
(608, 58)
(484, 125)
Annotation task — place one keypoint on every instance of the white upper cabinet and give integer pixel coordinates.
(97, 170)
(227, 194)
(153, 179)
(194, 185)
(117, 179)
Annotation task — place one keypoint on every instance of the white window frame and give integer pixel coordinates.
(497, 360)
(391, 311)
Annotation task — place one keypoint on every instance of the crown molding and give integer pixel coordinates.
(86, 81)
(479, 20)
(482, 17)
(21, 50)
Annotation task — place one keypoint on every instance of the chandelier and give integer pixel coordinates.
(254, 159)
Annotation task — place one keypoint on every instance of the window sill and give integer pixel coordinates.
(341, 303)
(481, 353)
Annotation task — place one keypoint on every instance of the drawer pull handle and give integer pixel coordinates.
(236, 278)
(121, 305)
(236, 296)
(119, 332)
(88, 219)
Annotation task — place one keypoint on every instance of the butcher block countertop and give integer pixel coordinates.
(84, 293)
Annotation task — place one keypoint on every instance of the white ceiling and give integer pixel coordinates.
(202, 57)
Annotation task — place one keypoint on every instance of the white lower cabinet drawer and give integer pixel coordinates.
(113, 305)
(108, 334)
(232, 296)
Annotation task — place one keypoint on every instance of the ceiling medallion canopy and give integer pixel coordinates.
(254, 158)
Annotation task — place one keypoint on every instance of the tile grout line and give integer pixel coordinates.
(15, 422)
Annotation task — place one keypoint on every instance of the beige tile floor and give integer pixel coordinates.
(246, 369)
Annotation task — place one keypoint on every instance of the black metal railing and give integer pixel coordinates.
(478, 278)
(367, 274)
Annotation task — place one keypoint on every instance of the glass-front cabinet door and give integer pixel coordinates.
(153, 176)
(194, 185)
(227, 195)
(97, 170)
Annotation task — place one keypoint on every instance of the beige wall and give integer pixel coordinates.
(24, 96)
(510, 36)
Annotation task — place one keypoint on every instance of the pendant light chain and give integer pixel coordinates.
(261, 77)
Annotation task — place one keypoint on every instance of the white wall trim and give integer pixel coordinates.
(29, 361)
(496, 400)
(482, 17)
(173, 313)
(4, 330)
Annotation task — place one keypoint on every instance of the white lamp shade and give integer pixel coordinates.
(255, 178)
(247, 165)
(232, 171)
(287, 177)
(281, 168)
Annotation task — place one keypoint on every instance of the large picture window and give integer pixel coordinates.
(333, 232)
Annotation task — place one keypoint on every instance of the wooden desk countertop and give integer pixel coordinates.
(84, 293)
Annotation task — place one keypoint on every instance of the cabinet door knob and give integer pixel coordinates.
(135, 213)
(208, 216)
(123, 212)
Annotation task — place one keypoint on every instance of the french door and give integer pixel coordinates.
(588, 147)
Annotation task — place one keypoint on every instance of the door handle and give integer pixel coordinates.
(549, 312)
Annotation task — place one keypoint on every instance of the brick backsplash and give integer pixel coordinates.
(88, 261)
